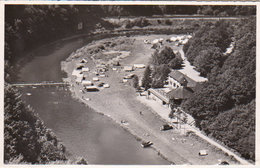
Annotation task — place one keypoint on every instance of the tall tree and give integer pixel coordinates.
(147, 80)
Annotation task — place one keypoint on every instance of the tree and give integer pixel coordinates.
(176, 63)
(159, 76)
(225, 107)
(162, 57)
(147, 80)
(135, 82)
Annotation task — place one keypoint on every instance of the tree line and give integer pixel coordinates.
(225, 106)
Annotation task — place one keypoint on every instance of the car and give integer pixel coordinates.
(224, 163)
(101, 84)
(166, 127)
(146, 144)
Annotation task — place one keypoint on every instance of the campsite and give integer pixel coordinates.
(130, 84)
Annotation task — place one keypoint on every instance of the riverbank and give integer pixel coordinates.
(120, 103)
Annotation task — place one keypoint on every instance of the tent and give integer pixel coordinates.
(203, 153)
(85, 69)
(95, 79)
(78, 80)
(139, 65)
(86, 83)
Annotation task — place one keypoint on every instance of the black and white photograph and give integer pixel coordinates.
(129, 84)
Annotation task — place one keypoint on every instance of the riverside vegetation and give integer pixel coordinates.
(224, 108)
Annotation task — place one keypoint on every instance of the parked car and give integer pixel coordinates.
(166, 127)
(146, 144)
(224, 163)
(101, 84)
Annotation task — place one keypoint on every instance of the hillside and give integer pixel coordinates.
(225, 107)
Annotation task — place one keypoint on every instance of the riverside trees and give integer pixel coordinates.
(26, 139)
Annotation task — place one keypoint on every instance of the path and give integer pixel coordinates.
(164, 112)
(189, 70)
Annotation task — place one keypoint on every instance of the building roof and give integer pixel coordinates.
(160, 94)
(180, 93)
(180, 77)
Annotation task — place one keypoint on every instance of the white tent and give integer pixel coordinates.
(155, 41)
(128, 68)
(173, 39)
(78, 80)
(86, 83)
(95, 79)
(76, 72)
(85, 69)
(106, 85)
(203, 153)
(139, 65)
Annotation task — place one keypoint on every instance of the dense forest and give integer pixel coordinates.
(225, 106)
(229, 94)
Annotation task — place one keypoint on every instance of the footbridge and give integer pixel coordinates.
(41, 84)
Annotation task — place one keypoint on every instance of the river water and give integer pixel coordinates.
(83, 131)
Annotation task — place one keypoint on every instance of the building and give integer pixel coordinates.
(165, 96)
(177, 79)
(180, 87)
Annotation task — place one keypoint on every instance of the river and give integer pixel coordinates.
(83, 131)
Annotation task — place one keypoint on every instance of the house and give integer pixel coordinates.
(179, 94)
(165, 97)
(177, 79)
(180, 87)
